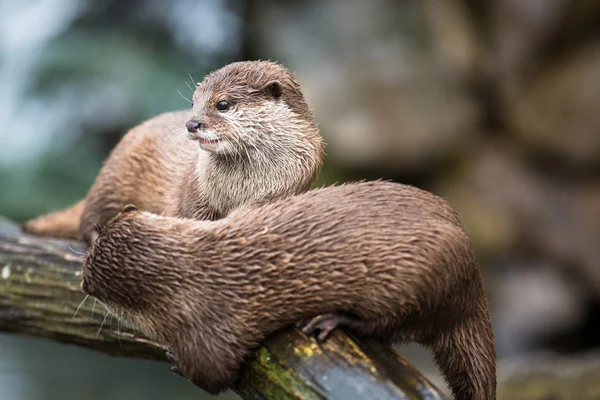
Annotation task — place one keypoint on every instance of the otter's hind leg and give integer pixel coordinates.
(327, 323)
(60, 224)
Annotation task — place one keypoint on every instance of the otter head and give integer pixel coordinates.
(249, 107)
(115, 273)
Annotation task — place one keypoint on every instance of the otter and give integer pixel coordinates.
(257, 141)
(379, 258)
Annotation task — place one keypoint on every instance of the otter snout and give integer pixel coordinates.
(194, 126)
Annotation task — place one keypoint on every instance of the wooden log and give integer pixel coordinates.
(40, 296)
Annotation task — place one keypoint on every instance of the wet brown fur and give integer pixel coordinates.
(394, 257)
(275, 151)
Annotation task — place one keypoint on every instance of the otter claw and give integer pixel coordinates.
(174, 367)
(302, 323)
(325, 324)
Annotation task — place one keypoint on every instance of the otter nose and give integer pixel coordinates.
(193, 126)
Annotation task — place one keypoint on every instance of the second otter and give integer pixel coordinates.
(258, 142)
(382, 259)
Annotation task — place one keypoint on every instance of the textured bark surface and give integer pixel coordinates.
(40, 296)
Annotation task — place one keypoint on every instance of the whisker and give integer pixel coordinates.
(119, 332)
(94, 306)
(195, 84)
(96, 225)
(180, 146)
(188, 100)
(174, 126)
(176, 137)
(188, 85)
(80, 304)
(76, 252)
(247, 152)
(165, 210)
(182, 143)
(174, 133)
(103, 321)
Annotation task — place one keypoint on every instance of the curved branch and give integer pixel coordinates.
(40, 296)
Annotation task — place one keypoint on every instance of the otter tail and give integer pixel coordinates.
(60, 224)
(466, 355)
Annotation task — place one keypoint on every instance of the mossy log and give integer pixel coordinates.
(40, 296)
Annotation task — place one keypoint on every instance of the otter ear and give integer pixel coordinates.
(273, 89)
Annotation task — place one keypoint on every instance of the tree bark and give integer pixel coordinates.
(40, 296)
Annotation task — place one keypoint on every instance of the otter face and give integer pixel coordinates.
(105, 279)
(248, 107)
(114, 277)
(135, 278)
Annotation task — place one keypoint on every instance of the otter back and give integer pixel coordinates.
(382, 259)
(249, 139)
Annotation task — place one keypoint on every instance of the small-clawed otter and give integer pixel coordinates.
(383, 259)
(258, 141)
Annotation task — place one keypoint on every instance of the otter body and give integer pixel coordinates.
(250, 138)
(383, 259)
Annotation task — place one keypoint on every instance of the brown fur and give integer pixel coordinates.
(393, 257)
(270, 148)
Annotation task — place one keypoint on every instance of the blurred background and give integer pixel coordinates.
(493, 105)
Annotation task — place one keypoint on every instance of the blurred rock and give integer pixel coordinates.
(534, 301)
(570, 231)
(557, 114)
(494, 195)
(518, 32)
(580, 21)
(388, 80)
(509, 207)
(550, 376)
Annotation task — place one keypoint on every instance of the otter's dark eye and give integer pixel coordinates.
(222, 105)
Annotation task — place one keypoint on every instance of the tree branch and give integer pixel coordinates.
(40, 296)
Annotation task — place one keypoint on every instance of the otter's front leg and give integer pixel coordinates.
(210, 369)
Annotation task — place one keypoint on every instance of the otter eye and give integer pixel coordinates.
(223, 105)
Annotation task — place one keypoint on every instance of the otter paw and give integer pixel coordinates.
(324, 324)
(37, 226)
(28, 226)
(174, 364)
